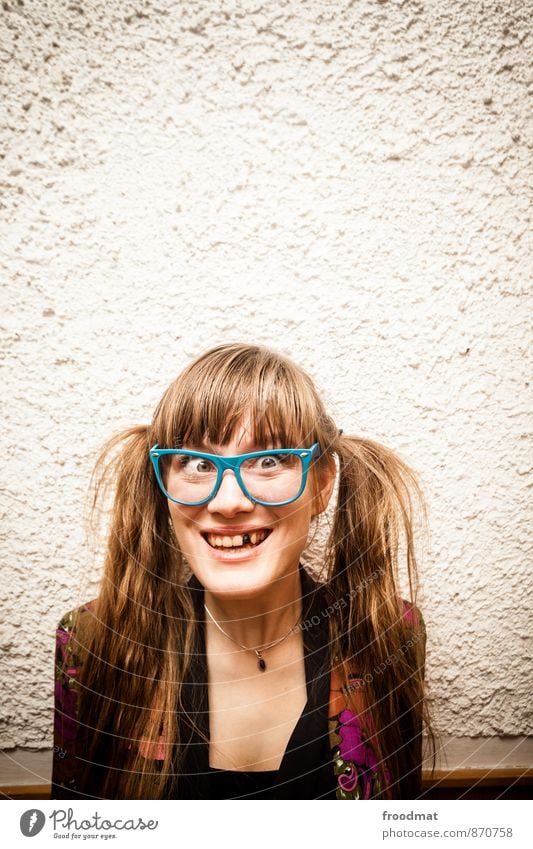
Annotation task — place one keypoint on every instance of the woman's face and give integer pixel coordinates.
(280, 533)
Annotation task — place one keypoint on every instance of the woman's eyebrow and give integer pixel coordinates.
(204, 446)
(259, 445)
(266, 444)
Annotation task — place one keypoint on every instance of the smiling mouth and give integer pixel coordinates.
(237, 542)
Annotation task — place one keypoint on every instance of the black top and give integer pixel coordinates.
(306, 770)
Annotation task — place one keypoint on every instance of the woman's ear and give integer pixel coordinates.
(325, 483)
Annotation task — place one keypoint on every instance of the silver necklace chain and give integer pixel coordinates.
(261, 663)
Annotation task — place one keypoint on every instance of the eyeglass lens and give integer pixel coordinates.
(272, 478)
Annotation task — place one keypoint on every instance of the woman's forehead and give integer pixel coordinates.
(244, 437)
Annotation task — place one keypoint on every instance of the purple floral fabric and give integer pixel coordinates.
(354, 760)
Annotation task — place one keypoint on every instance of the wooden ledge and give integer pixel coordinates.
(481, 779)
(483, 776)
(25, 791)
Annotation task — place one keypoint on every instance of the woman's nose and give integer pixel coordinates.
(230, 498)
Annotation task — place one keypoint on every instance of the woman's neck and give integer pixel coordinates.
(258, 620)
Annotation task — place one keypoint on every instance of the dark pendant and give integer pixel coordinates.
(261, 663)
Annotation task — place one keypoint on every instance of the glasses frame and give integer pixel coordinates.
(222, 463)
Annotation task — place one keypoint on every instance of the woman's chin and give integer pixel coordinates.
(245, 578)
(242, 579)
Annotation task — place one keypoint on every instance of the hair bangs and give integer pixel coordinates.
(237, 387)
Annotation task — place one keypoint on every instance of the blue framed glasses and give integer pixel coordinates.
(273, 478)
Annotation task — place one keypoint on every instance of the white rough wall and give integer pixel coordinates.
(343, 181)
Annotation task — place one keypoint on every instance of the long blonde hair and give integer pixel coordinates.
(143, 634)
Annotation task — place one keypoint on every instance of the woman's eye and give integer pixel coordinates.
(197, 464)
(193, 465)
(273, 461)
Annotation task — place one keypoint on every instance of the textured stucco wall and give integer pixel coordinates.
(345, 181)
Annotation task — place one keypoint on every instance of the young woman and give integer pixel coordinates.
(212, 664)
